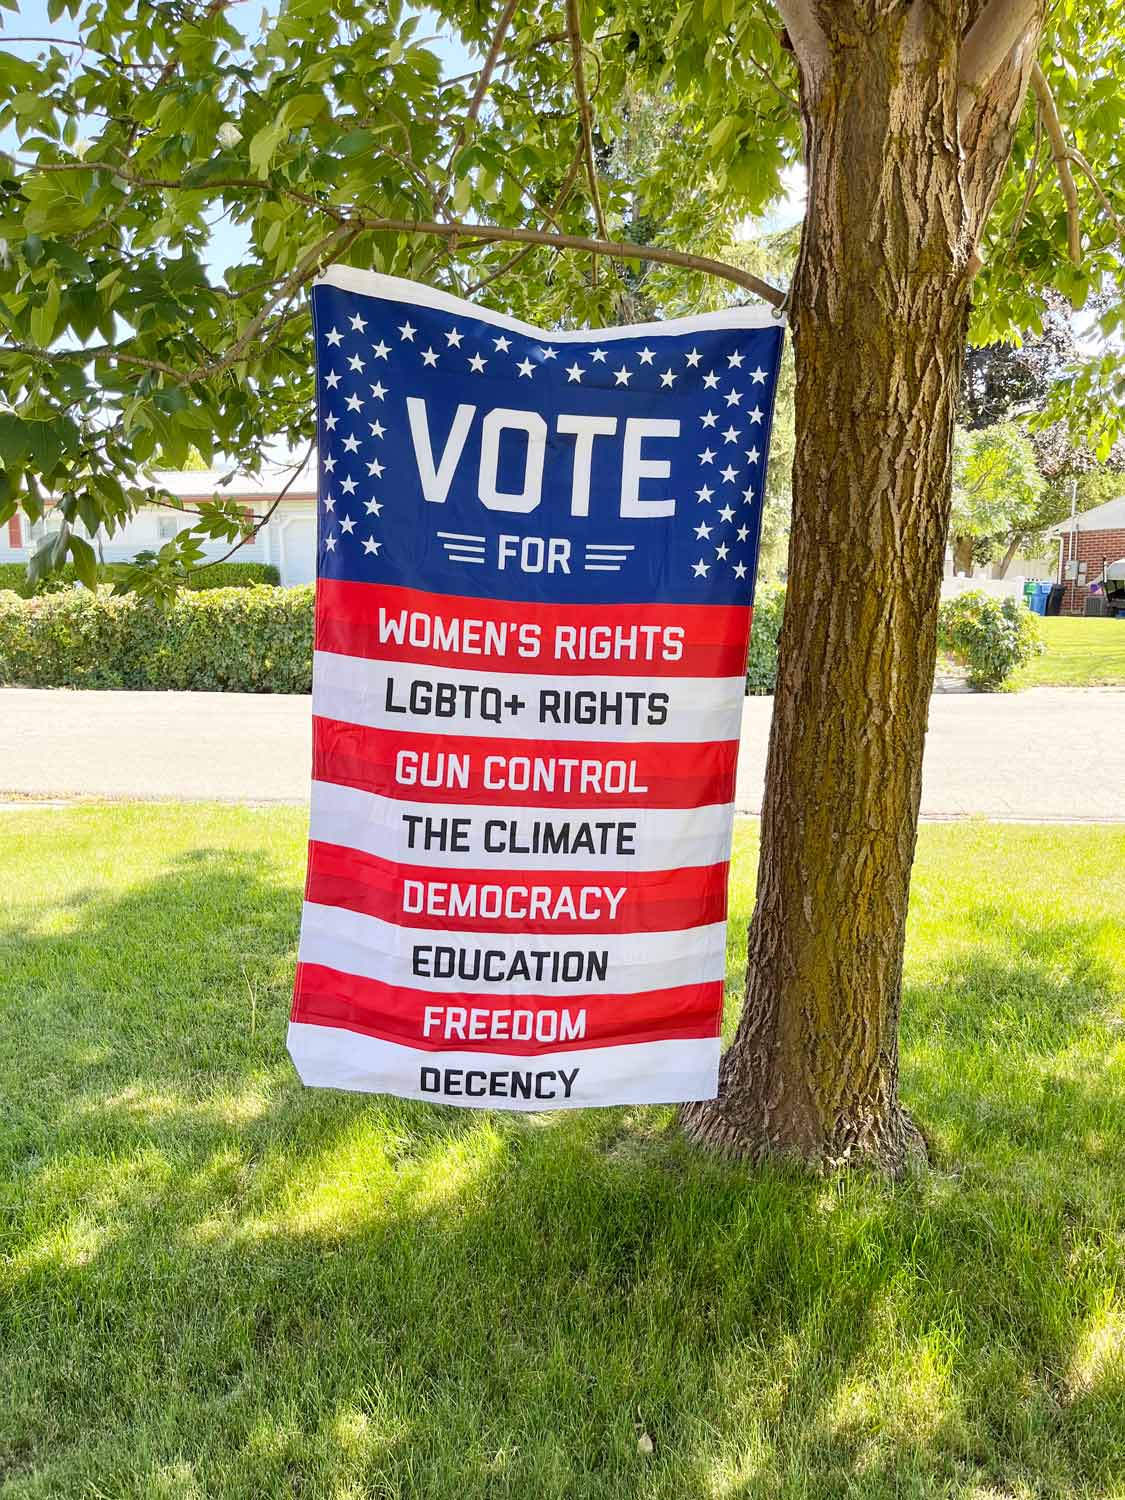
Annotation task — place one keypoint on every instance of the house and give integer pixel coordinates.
(287, 540)
(1086, 544)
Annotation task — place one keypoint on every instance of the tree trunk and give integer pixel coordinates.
(963, 555)
(880, 304)
(1010, 552)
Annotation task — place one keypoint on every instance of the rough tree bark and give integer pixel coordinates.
(898, 193)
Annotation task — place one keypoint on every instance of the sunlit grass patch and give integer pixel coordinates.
(218, 1284)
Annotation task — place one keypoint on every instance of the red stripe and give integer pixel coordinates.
(654, 900)
(663, 775)
(327, 997)
(710, 639)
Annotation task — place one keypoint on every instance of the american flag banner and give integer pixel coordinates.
(535, 570)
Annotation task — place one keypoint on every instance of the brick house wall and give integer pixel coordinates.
(1093, 548)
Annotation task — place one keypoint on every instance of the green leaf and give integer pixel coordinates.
(264, 144)
(85, 560)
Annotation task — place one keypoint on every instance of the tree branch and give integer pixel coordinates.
(998, 28)
(806, 35)
(574, 34)
(1061, 154)
(261, 521)
(1080, 161)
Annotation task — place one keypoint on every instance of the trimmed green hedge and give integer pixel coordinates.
(761, 664)
(237, 640)
(229, 575)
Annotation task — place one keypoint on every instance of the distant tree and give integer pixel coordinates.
(996, 489)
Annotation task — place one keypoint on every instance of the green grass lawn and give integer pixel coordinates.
(1080, 653)
(216, 1284)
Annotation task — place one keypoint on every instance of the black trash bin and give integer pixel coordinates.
(1055, 598)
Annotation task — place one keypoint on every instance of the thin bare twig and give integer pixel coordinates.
(258, 524)
(1084, 166)
(1032, 174)
(574, 34)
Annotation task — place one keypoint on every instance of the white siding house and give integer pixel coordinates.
(287, 540)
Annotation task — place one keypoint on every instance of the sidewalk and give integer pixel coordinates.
(1046, 754)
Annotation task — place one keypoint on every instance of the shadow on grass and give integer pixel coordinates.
(221, 1284)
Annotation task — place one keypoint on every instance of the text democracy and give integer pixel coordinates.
(532, 903)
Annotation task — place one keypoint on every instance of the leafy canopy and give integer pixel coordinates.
(326, 131)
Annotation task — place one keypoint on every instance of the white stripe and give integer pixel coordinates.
(355, 689)
(398, 289)
(636, 1073)
(366, 946)
(663, 838)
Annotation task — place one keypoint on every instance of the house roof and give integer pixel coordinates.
(202, 484)
(1107, 517)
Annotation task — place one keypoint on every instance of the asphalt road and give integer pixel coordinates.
(1048, 753)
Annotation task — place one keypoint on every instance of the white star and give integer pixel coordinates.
(378, 390)
(704, 495)
(721, 552)
(758, 376)
(598, 356)
(332, 380)
(353, 403)
(377, 429)
(548, 353)
(726, 514)
(381, 350)
(477, 363)
(693, 358)
(734, 360)
(730, 436)
(429, 358)
(667, 378)
(752, 455)
(525, 367)
(707, 456)
(333, 337)
(734, 398)
(371, 545)
(453, 338)
(622, 376)
(701, 531)
(329, 465)
(348, 486)
(574, 371)
(647, 356)
(330, 543)
(740, 571)
(709, 418)
(756, 415)
(347, 524)
(728, 474)
(743, 533)
(502, 344)
(351, 443)
(710, 381)
(329, 502)
(355, 363)
(406, 332)
(358, 323)
(330, 421)
(373, 508)
(747, 496)
(376, 468)
(701, 568)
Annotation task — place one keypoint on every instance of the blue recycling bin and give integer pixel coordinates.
(1038, 601)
